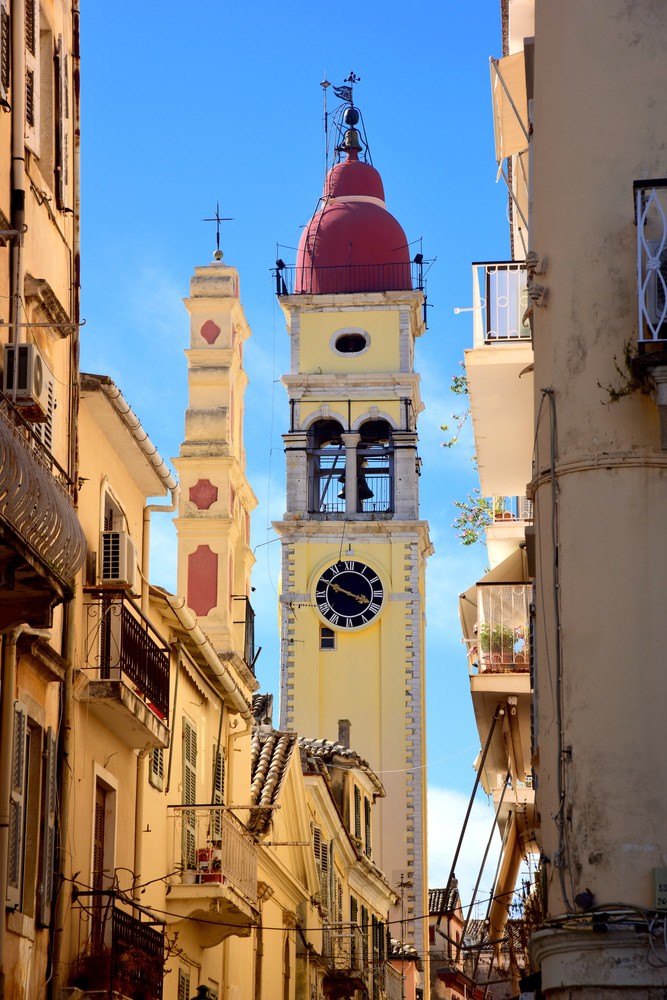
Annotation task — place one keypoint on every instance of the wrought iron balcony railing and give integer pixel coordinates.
(374, 491)
(344, 948)
(248, 622)
(500, 300)
(123, 646)
(512, 509)
(36, 497)
(393, 984)
(651, 219)
(313, 280)
(122, 955)
(211, 845)
(501, 638)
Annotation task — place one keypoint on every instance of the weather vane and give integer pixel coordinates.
(217, 219)
(344, 93)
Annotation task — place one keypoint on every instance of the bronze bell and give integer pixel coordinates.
(364, 492)
(341, 479)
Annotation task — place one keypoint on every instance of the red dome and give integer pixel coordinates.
(352, 244)
(350, 177)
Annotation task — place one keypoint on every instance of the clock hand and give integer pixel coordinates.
(348, 593)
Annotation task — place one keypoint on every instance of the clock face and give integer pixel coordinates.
(349, 594)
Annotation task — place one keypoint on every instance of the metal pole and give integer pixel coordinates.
(499, 714)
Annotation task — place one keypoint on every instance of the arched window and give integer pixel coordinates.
(327, 467)
(375, 467)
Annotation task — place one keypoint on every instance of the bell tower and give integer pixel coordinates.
(213, 523)
(353, 545)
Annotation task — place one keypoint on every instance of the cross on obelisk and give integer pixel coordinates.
(217, 219)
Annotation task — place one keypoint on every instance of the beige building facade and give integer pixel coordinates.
(42, 545)
(575, 743)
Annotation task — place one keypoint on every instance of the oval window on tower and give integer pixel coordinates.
(352, 340)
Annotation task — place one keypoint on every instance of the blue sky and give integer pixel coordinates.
(186, 105)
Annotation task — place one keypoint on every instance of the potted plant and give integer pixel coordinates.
(497, 643)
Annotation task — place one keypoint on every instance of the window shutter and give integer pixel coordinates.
(183, 985)
(317, 847)
(31, 26)
(32, 75)
(367, 830)
(364, 934)
(189, 763)
(218, 797)
(98, 836)
(16, 808)
(218, 776)
(48, 829)
(357, 812)
(62, 124)
(5, 49)
(325, 885)
(189, 792)
(156, 768)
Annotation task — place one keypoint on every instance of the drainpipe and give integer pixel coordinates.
(63, 861)
(146, 537)
(227, 683)
(18, 81)
(140, 794)
(9, 673)
(75, 277)
(142, 759)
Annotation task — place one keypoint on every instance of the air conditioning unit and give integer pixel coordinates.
(655, 290)
(119, 559)
(34, 381)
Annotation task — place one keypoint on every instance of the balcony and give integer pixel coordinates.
(500, 642)
(215, 859)
(350, 278)
(651, 220)
(506, 530)
(248, 622)
(121, 955)
(500, 379)
(495, 621)
(345, 953)
(500, 300)
(374, 489)
(126, 672)
(42, 544)
(393, 984)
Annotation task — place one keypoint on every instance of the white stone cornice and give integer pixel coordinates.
(346, 301)
(295, 529)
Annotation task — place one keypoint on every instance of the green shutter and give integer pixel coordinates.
(189, 792)
(49, 796)
(16, 808)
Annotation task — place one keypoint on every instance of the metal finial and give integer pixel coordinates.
(217, 254)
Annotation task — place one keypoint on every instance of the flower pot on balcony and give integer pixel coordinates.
(188, 876)
(209, 864)
(93, 972)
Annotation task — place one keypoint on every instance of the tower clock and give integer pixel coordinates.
(353, 545)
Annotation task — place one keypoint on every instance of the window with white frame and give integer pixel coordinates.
(156, 768)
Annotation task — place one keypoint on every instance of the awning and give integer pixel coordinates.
(510, 570)
(510, 105)
(506, 883)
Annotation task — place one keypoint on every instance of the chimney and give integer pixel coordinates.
(344, 733)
